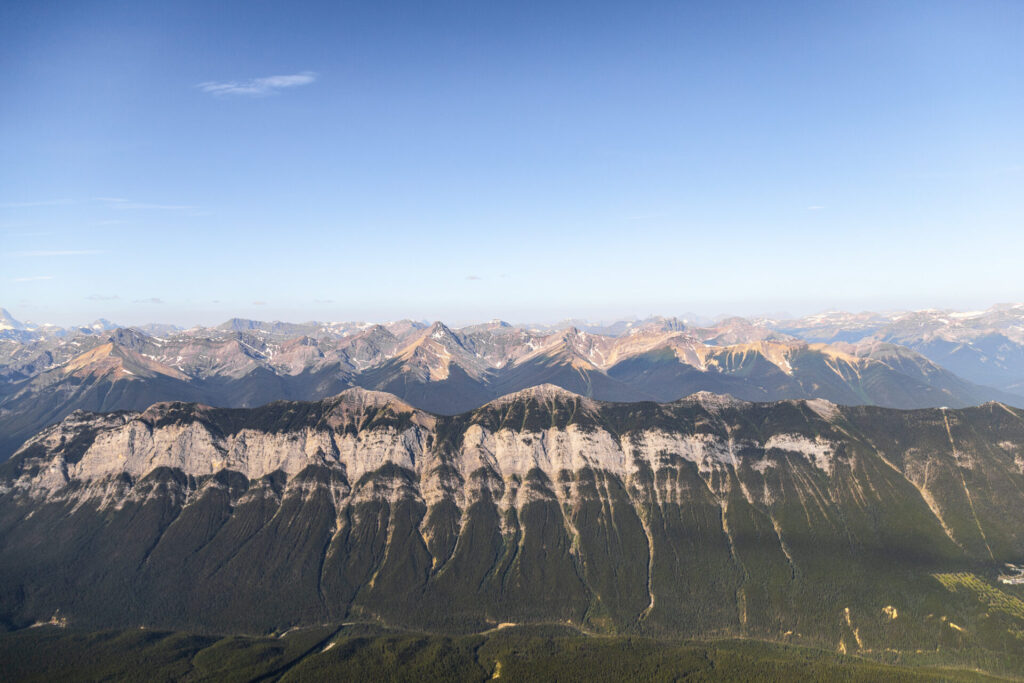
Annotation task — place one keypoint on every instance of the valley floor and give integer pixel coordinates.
(357, 652)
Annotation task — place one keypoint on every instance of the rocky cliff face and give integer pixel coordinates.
(704, 516)
(437, 369)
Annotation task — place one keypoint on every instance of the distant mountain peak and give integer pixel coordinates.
(432, 353)
(117, 362)
(7, 321)
(439, 331)
(658, 323)
(127, 336)
(103, 325)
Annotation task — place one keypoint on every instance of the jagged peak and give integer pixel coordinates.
(438, 333)
(127, 336)
(91, 356)
(436, 349)
(368, 398)
(118, 360)
(540, 392)
(438, 328)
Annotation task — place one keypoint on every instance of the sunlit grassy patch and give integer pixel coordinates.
(985, 592)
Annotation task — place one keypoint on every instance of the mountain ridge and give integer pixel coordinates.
(707, 517)
(447, 371)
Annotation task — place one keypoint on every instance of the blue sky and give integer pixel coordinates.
(183, 162)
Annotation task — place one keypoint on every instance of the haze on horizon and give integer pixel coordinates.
(458, 161)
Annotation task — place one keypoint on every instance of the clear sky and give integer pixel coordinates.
(190, 161)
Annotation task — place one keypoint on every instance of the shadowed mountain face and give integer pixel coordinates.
(245, 363)
(846, 527)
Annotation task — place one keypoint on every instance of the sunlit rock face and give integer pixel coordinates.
(44, 377)
(709, 515)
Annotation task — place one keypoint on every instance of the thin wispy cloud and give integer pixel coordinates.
(151, 300)
(815, 208)
(259, 303)
(33, 278)
(268, 85)
(473, 277)
(60, 252)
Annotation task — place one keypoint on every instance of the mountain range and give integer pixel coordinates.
(866, 530)
(846, 482)
(867, 359)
